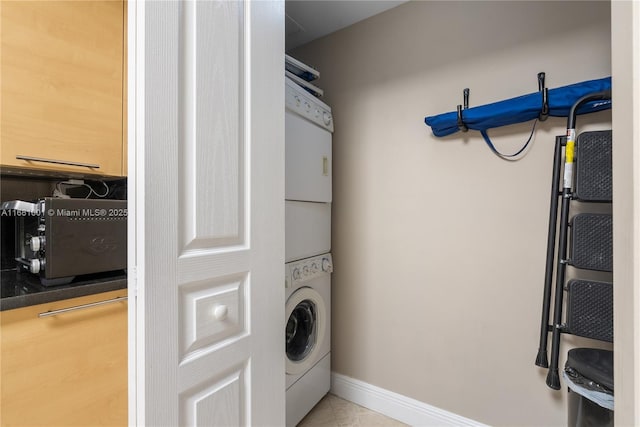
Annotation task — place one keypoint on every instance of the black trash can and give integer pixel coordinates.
(589, 377)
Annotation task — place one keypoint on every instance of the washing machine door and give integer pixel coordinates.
(305, 330)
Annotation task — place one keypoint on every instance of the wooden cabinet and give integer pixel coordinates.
(62, 67)
(68, 369)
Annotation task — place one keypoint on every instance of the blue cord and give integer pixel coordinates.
(509, 157)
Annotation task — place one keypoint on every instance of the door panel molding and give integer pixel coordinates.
(201, 405)
(212, 121)
(213, 313)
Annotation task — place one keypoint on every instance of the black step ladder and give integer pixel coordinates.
(586, 179)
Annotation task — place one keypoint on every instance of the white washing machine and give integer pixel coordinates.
(308, 128)
(308, 334)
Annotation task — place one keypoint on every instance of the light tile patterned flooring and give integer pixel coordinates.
(332, 411)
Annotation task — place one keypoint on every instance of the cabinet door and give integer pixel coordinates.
(62, 85)
(69, 369)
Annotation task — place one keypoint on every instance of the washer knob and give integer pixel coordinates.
(326, 265)
(296, 273)
(305, 270)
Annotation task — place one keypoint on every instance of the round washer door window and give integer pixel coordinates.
(305, 329)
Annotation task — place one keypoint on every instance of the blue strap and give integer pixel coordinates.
(509, 157)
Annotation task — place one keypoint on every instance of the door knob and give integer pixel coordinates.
(220, 312)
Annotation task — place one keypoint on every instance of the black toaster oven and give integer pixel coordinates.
(59, 239)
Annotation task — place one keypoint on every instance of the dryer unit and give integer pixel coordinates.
(307, 156)
(308, 334)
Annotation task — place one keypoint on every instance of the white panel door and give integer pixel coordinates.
(209, 213)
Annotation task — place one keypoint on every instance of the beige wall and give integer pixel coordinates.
(439, 245)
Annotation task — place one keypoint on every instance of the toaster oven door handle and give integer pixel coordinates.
(80, 307)
(20, 206)
(57, 162)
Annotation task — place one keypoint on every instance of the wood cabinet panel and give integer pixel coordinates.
(62, 84)
(69, 369)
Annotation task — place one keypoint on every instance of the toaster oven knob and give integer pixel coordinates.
(34, 266)
(36, 243)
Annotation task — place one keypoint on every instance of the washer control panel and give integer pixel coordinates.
(307, 269)
(306, 105)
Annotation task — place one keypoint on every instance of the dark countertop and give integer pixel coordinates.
(21, 289)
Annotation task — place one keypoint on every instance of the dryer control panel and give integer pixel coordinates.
(308, 106)
(307, 269)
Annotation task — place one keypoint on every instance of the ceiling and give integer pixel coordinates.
(308, 20)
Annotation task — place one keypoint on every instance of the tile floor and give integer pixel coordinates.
(332, 411)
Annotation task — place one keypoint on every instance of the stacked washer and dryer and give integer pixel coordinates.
(308, 267)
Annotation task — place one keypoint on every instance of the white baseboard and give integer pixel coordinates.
(394, 405)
